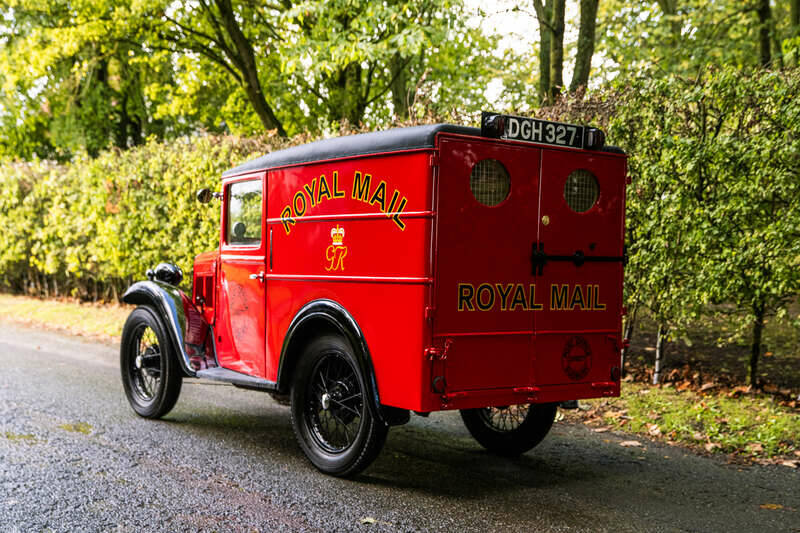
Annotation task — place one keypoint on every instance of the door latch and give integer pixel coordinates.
(259, 276)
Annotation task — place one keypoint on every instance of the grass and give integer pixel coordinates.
(101, 321)
(750, 427)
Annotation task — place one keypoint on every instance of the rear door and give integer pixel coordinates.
(578, 264)
(484, 289)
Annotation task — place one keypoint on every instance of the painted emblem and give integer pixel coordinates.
(336, 251)
(576, 360)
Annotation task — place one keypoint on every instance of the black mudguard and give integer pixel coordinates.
(167, 301)
(337, 318)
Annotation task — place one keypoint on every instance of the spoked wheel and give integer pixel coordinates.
(330, 415)
(510, 430)
(150, 373)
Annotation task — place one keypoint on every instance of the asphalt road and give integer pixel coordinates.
(74, 457)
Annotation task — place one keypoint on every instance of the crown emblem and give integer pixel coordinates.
(337, 234)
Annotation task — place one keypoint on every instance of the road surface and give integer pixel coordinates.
(74, 457)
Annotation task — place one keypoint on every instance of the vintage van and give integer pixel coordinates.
(420, 269)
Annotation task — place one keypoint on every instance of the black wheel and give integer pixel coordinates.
(150, 373)
(330, 415)
(512, 429)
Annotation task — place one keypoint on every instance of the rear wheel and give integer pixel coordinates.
(510, 430)
(330, 414)
(150, 373)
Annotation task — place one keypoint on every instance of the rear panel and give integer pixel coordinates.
(528, 280)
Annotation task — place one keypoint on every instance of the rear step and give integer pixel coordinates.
(236, 378)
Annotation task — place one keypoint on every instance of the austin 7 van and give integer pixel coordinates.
(368, 277)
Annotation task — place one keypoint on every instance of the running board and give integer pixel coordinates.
(237, 378)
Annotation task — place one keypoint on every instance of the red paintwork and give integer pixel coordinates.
(399, 277)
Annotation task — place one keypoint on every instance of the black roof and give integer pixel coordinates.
(394, 140)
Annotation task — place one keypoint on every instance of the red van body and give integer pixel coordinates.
(458, 261)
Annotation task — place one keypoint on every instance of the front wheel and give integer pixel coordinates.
(150, 373)
(510, 430)
(330, 414)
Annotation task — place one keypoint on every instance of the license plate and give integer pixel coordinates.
(534, 130)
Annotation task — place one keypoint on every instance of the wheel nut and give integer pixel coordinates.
(326, 401)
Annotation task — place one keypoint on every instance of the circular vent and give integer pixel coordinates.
(581, 191)
(489, 182)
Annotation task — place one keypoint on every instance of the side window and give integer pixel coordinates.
(244, 213)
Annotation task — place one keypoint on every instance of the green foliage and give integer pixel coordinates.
(89, 227)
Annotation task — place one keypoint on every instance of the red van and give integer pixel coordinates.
(418, 269)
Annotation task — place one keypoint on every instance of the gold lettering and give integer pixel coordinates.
(323, 186)
(503, 295)
(558, 297)
(286, 218)
(337, 193)
(532, 305)
(379, 196)
(465, 295)
(310, 192)
(519, 298)
(361, 188)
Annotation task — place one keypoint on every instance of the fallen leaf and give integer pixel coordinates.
(708, 386)
(711, 446)
(653, 430)
(601, 430)
(790, 463)
(368, 520)
(755, 447)
(630, 443)
(771, 506)
(698, 436)
(797, 453)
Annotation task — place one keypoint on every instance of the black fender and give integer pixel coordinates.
(167, 301)
(314, 318)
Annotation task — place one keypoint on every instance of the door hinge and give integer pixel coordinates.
(433, 353)
(429, 312)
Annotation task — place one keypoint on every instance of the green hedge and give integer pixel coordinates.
(88, 228)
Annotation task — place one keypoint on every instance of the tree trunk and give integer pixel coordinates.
(345, 89)
(544, 13)
(755, 348)
(670, 10)
(630, 324)
(794, 23)
(586, 40)
(245, 61)
(764, 19)
(660, 347)
(399, 86)
(557, 48)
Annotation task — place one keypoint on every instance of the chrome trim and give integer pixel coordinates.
(167, 300)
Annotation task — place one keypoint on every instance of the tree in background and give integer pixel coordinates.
(72, 78)
(551, 15)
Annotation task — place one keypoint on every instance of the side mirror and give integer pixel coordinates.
(204, 196)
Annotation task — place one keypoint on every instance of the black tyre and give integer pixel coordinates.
(510, 430)
(150, 372)
(330, 415)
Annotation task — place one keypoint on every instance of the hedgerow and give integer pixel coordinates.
(90, 227)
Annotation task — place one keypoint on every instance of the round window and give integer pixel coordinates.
(489, 182)
(581, 191)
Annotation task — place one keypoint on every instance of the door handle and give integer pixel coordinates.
(259, 276)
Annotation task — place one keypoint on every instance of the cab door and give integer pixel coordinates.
(485, 295)
(578, 262)
(240, 324)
